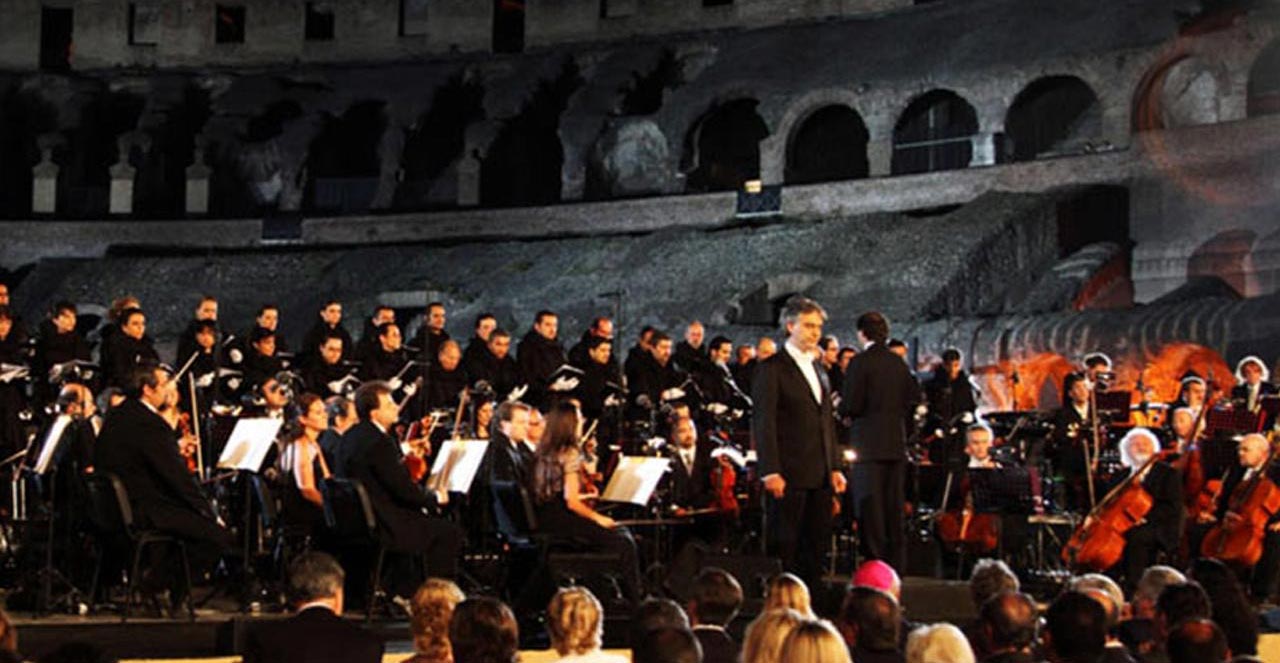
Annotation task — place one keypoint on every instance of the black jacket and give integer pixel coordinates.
(443, 387)
(53, 348)
(373, 458)
(501, 374)
(1164, 484)
(794, 435)
(691, 487)
(690, 359)
(595, 385)
(717, 645)
(948, 398)
(879, 399)
(430, 343)
(316, 335)
(649, 378)
(317, 375)
(122, 355)
(538, 358)
(315, 635)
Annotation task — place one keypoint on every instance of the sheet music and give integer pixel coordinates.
(635, 479)
(51, 442)
(249, 443)
(456, 465)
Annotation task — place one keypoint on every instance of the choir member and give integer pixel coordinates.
(494, 366)
(206, 311)
(431, 334)
(539, 355)
(327, 374)
(485, 324)
(446, 380)
(329, 324)
(129, 348)
(600, 327)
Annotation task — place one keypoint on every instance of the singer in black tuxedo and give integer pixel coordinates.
(879, 401)
(793, 430)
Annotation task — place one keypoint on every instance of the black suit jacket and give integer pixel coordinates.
(717, 645)
(691, 488)
(794, 435)
(373, 458)
(314, 635)
(1164, 484)
(880, 397)
(140, 448)
(122, 355)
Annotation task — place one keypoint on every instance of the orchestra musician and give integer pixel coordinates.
(129, 349)
(507, 466)
(1191, 394)
(272, 399)
(329, 324)
(1161, 529)
(371, 455)
(1182, 433)
(1072, 430)
(342, 416)
(600, 327)
(793, 429)
(65, 445)
(1253, 384)
(1253, 453)
(431, 335)
(327, 374)
(494, 365)
(139, 445)
(446, 380)
(691, 463)
(539, 355)
(303, 468)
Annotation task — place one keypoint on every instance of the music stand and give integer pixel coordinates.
(248, 444)
(1006, 490)
(1114, 404)
(634, 479)
(1232, 421)
(456, 465)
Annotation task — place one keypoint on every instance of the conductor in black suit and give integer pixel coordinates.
(317, 633)
(793, 430)
(372, 456)
(879, 401)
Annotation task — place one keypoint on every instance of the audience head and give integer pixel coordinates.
(654, 614)
(1152, 582)
(765, 635)
(717, 597)
(1229, 605)
(1105, 591)
(1178, 603)
(483, 630)
(990, 577)
(870, 619)
(667, 645)
(575, 622)
(1197, 641)
(814, 641)
(1009, 621)
(878, 575)
(788, 591)
(316, 577)
(432, 609)
(1076, 629)
(873, 327)
(938, 643)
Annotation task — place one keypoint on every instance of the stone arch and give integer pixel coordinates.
(1052, 115)
(160, 190)
(246, 164)
(935, 132)
(436, 141)
(1265, 260)
(1226, 256)
(92, 147)
(722, 149)
(342, 160)
(829, 143)
(1181, 92)
(1264, 82)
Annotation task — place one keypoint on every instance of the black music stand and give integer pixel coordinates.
(1114, 405)
(1004, 491)
(1232, 422)
(1218, 454)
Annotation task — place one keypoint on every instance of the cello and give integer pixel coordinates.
(965, 529)
(1238, 541)
(1098, 543)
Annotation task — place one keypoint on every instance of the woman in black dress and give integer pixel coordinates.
(303, 466)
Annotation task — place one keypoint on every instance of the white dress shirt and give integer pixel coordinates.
(805, 361)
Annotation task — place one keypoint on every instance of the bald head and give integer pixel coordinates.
(1197, 641)
(1253, 450)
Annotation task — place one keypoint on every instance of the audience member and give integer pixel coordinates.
(483, 630)
(1138, 632)
(870, 620)
(1197, 641)
(1108, 594)
(317, 633)
(788, 591)
(814, 641)
(937, 643)
(1008, 623)
(878, 575)
(1076, 629)
(668, 645)
(654, 614)
(717, 597)
(765, 635)
(988, 578)
(1229, 605)
(432, 608)
(575, 623)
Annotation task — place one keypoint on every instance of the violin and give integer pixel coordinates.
(725, 479)
(589, 477)
(1237, 540)
(419, 447)
(1098, 543)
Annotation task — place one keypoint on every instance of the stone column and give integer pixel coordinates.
(469, 180)
(197, 183)
(122, 179)
(984, 149)
(880, 156)
(773, 159)
(44, 185)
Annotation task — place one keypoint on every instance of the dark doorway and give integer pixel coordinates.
(23, 117)
(831, 144)
(508, 26)
(1058, 115)
(55, 38)
(1097, 214)
(342, 163)
(84, 181)
(436, 142)
(725, 146)
(1264, 82)
(934, 133)
(523, 165)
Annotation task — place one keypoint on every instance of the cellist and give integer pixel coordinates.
(1254, 452)
(1162, 527)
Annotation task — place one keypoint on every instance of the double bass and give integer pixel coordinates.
(1098, 543)
(1238, 541)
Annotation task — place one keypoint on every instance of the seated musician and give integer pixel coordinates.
(270, 401)
(446, 379)
(304, 468)
(1191, 394)
(978, 439)
(1254, 454)
(1253, 383)
(372, 456)
(342, 416)
(139, 445)
(327, 374)
(563, 510)
(1071, 432)
(1182, 436)
(485, 409)
(494, 365)
(1162, 527)
(980, 532)
(64, 446)
(507, 466)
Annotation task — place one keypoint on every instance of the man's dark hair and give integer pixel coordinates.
(846, 351)
(717, 596)
(1183, 601)
(336, 406)
(482, 317)
(63, 306)
(202, 326)
(657, 337)
(800, 305)
(259, 334)
(1011, 619)
(542, 315)
(145, 375)
(656, 614)
(597, 341)
(331, 337)
(874, 326)
(1095, 360)
(647, 329)
(506, 410)
(895, 343)
(717, 342)
(949, 355)
(267, 307)
(499, 332)
(483, 630)
(330, 302)
(1077, 626)
(667, 645)
(128, 313)
(313, 576)
(597, 321)
(435, 305)
(874, 616)
(369, 396)
(1196, 641)
(385, 328)
(826, 342)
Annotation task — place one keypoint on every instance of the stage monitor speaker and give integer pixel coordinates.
(760, 200)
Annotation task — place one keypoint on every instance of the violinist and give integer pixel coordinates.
(1182, 434)
(1162, 527)
(1254, 452)
(959, 527)
(342, 416)
(1072, 431)
(65, 445)
(304, 467)
(1253, 385)
(272, 399)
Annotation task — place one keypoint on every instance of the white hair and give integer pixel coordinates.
(1252, 359)
(1126, 458)
(1097, 355)
(938, 643)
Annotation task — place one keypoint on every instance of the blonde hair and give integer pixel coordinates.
(788, 591)
(574, 621)
(815, 641)
(938, 643)
(765, 635)
(432, 609)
